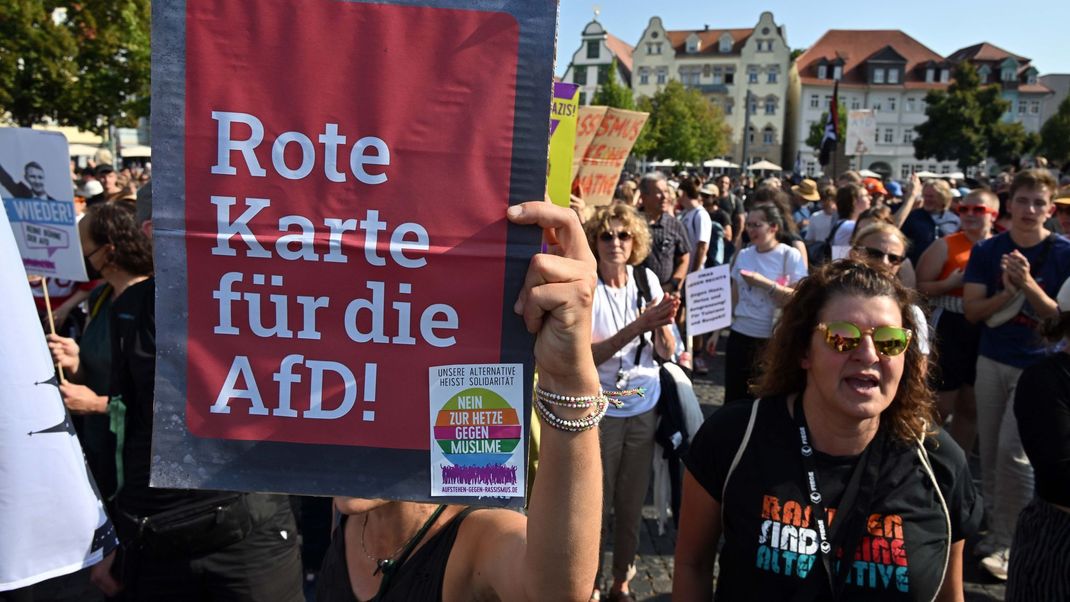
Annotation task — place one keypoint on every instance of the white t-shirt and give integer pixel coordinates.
(820, 226)
(753, 314)
(613, 309)
(698, 224)
(844, 233)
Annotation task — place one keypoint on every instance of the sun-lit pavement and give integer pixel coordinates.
(654, 565)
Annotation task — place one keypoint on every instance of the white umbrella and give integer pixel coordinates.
(83, 150)
(958, 175)
(764, 165)
(926, 175)
(865, 173)
(719, 164)
(136, 151)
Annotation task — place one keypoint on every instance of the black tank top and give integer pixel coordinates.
(420, 578)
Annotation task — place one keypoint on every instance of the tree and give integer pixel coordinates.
(612, 93)
(35, 65)
(963, 123)
(683, 126)
(817, 129)
(1055, 134)
(113, 64)
(1009, 141)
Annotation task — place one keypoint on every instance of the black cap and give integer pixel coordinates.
(104, 169)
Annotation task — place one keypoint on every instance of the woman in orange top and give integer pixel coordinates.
(939, 274)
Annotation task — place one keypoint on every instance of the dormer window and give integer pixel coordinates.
(945, 76)
(692, 44)
(878, 75)
(930, 75)
(1007, 75)
(837, 72)
(983, 73)
(822, 72)
(893, 76)
(724, 44)
(592, 49)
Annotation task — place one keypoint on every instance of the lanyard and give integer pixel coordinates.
(854, 506)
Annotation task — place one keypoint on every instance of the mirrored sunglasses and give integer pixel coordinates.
(844, 337)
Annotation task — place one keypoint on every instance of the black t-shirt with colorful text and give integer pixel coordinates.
(771, 539)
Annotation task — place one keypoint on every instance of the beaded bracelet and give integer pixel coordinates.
(577, 425)
(570, 401)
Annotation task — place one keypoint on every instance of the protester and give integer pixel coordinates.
(1010, 282)
(844, 424)
(629, 308)
(731, 200)
(380, 550)
(803, 195)
(1062, 210)
(851, 201)
(117, 252)
(881, 214)
(697, 223)
(763, 276)
(877, 192)
(821, 221)
(1038, 564)
(670, 248)
(940, 278)
(933, 220)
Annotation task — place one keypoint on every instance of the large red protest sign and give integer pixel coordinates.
(343, 227)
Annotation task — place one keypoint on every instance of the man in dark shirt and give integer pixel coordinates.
(933, 220)
(669, 245)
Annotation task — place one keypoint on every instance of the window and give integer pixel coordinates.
(603, 74)
(752, 75)
(728, 104)
(718, 75)
(644, 76)
(815, 102)
(908, 136)
(770, 105)
(918, 167)
(1022, 105)
(945, 76)
(876, 136)
(889, 136)
(856, 103)
(771, 76)
(811, 167)
(750, 134)
(729, 76)
(657, 48)
(983, 73)
(663, 75)
(1034, 107)
(690, 75)
(592, 49)
(904, 171)
(945, 168)
(725, 44)
(876, 107)
(706, 70)
(930, 75)
(910, 105)
(580, 76)
(650, 48)
(1031, 78)
(1007, 75)
(822, 72)
(932, 167)
(878, 76)
(891, 103)
(837, 72)
(828, 100)
(692, 44)
(753, 106)
(768, 136)
(893, 76)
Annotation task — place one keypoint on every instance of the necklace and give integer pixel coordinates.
(622, 376)
(387, 565)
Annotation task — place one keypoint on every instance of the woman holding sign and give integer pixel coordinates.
(387, 550)
(836, 484)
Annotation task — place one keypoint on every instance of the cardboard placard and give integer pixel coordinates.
(331, 225)
(709, 300)
(605, 149)
(563, 116)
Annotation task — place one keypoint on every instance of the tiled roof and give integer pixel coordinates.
(854, 47)
(1034, 89)
(709, 40)
(983, 52)
(621, 49)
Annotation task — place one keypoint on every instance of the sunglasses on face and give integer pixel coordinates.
(973, 210)
(878, 255)
(844, 337)
(609, 236)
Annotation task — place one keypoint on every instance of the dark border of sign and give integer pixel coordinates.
(322, 469)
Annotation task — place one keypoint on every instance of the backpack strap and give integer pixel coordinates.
(739, 454)
(923, 455)
(832, 233)
(644, 297)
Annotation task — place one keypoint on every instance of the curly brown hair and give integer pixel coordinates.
(115, 223)
(912, 413)
(633, 223)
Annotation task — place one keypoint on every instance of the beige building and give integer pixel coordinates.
(726, 65)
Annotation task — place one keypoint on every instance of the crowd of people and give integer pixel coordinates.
(879, 336)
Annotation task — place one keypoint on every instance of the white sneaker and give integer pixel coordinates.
(996, 563)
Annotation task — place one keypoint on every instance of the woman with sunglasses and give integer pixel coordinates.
(836, 483)
(883, 214)
(940, 272)
(629, 307)
(763, 276)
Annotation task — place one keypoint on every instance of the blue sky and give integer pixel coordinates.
(1037, 30)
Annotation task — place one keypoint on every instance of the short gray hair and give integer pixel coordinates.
(650, 179)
